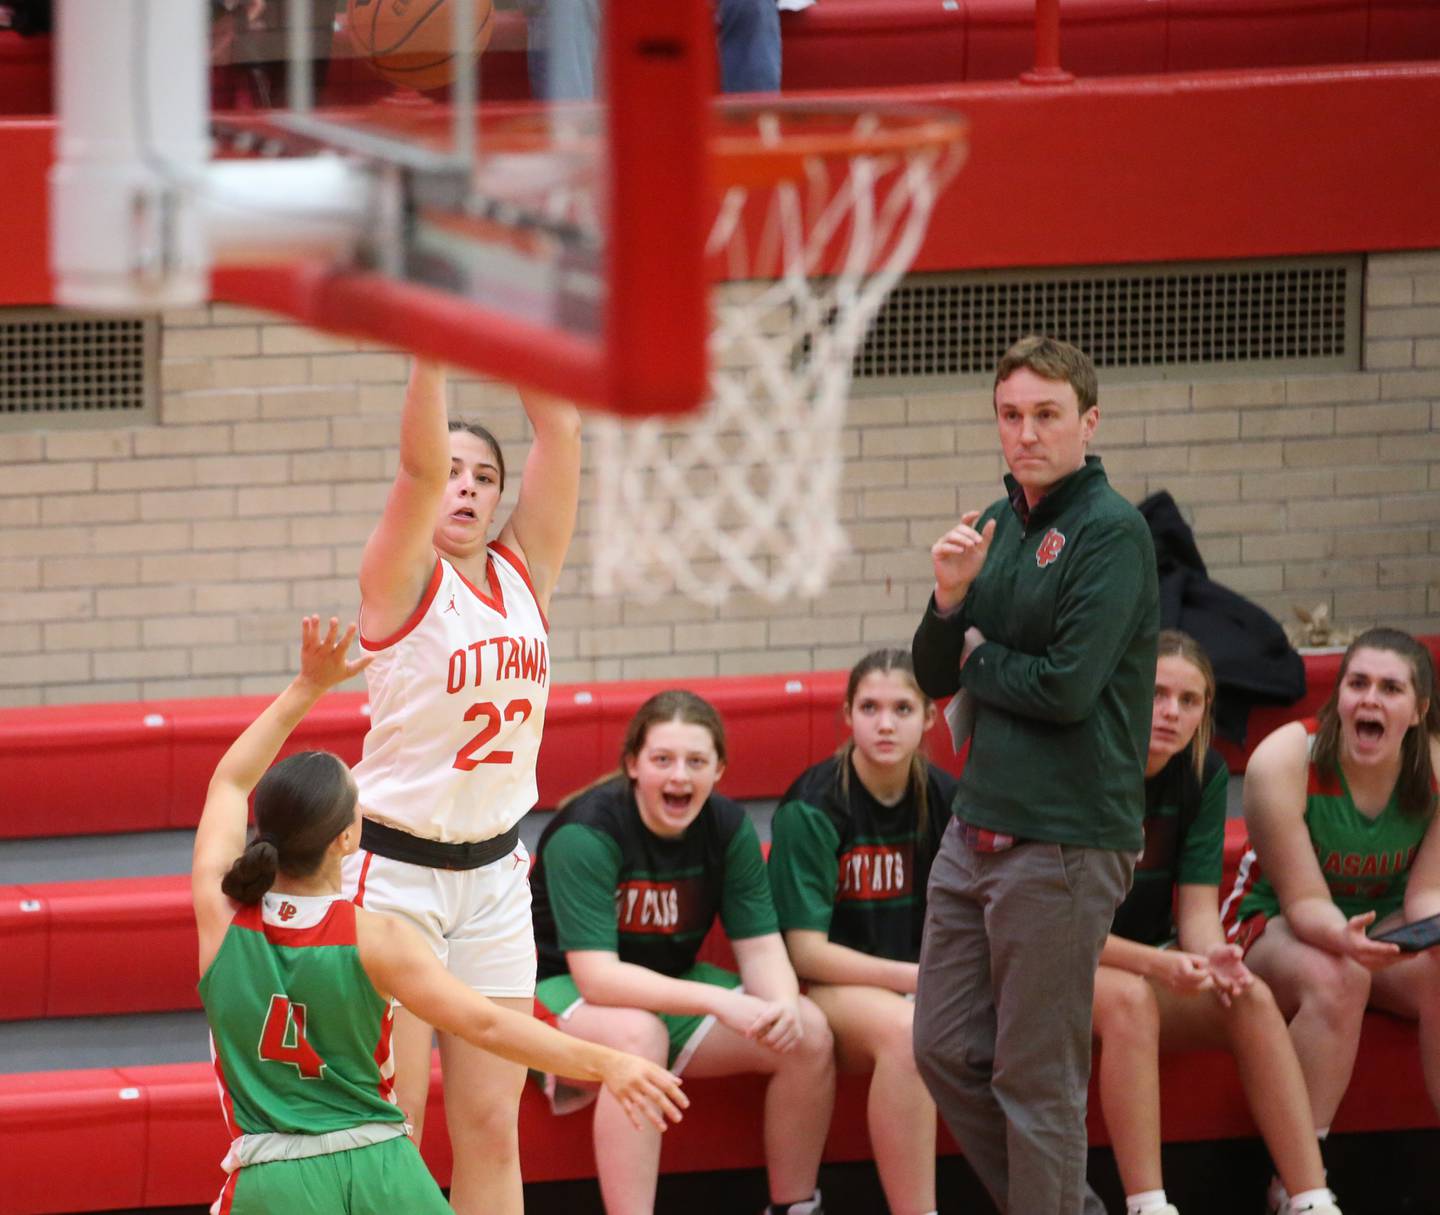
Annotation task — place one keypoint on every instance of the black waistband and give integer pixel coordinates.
(413, 850)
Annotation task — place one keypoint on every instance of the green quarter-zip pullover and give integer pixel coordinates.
(1068, 603)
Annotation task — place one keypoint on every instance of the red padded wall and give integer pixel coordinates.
(894, 43)
(25, 946)
(1211, 34)
(78, 769)
(1097, 37)
(95, 965)
(71, 1141)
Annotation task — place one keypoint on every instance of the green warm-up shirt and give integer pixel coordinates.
(603, 881)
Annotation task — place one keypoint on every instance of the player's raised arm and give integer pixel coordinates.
(400, 553)
(544, 517)
(220, 837)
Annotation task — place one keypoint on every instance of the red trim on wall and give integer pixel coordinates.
(1103, 171)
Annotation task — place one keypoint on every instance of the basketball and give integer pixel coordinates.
(411, 42)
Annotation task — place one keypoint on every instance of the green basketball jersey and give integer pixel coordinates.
(847, 865)
(1366, 861)
(300, 1037)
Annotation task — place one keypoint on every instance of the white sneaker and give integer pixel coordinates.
(1277, 1201)
(1314, 1208)
(811, 1206)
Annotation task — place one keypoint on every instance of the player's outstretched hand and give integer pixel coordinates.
(323, 661)
(1373, 955)
(645, 1091)
(958, 557)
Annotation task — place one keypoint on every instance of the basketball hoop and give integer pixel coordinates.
(821, 211)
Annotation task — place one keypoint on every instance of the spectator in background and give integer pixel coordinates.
(564, 37)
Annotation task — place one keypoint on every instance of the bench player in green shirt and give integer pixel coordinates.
(1344, 842)
(1169, 981)
(628, 880)
(297, 985)
(852, 842)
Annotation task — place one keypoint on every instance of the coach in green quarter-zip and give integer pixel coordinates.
(1046, 613)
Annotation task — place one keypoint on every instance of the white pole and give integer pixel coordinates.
(277, 210)
(125, 230)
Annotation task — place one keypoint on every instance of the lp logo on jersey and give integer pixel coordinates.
(1050, 545)
(287, 912)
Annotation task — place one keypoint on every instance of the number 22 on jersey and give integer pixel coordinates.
(467, 759)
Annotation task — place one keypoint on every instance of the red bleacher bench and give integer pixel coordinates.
(158, 756)
(155, 1135)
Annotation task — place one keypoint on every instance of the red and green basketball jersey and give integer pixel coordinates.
(1366, 861)
(300, 1036)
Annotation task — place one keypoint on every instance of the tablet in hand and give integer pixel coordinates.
(1413, 937)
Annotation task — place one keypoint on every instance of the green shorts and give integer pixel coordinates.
(381, 1179)
(560, 997)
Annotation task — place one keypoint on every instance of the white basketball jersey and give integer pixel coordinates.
(457, 707)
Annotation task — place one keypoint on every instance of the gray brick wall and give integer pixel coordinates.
(173, 559)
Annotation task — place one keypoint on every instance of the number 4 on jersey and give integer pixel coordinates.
(283, 1039)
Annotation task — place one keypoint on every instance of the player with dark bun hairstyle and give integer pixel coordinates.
(298, 984)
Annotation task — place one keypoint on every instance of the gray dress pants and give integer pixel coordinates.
(1002, 1011)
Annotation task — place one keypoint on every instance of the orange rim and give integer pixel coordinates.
(752, 143)
(764, 143)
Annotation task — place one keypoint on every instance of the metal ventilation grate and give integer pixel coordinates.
(57, 369)
(1177, 320)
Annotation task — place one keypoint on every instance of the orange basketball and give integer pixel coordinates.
(411, 42)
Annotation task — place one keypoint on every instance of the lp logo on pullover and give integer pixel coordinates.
(1050, 545)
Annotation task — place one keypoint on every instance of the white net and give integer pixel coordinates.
(745, 493)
